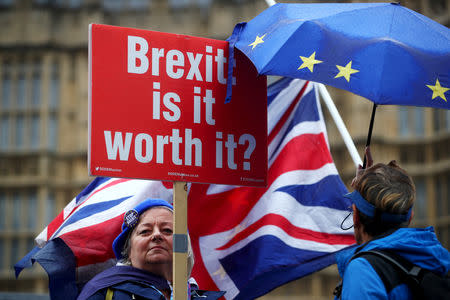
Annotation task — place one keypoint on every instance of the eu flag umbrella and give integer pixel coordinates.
(384, 52)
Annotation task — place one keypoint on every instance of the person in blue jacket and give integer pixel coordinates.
(383, 199)
(144, 250)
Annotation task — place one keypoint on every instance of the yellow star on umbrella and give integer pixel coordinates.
(438, 90)
(346, 71)
(309, 62)
(258, 40)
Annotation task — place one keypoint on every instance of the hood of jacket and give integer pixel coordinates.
(418, 245)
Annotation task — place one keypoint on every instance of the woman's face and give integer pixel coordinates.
(151, 241)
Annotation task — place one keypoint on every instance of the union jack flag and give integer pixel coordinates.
(247, 241)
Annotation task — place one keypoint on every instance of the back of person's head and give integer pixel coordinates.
(391, 191)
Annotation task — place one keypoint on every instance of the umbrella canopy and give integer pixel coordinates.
(384, 52)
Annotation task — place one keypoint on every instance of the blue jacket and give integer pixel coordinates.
(419, 246)
(126, 282)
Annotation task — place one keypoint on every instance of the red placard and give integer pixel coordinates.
(157, 109)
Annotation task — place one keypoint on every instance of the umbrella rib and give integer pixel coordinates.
(280, 45)
(377, 5)
(275, 53)
(385, 50)
(428, 25)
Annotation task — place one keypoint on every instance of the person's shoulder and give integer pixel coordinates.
(359, 267)
(127, 291)
(110, 277)
(136, 290)
(361, 281)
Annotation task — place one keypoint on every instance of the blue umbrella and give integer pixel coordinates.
(384, 52)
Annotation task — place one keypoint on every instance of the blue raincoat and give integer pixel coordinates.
(419, 246)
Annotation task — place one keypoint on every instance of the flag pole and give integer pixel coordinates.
(340, 125)
(180, 241)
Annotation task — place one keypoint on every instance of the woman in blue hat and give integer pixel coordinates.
(144, 251)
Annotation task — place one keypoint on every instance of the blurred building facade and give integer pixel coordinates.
(43, 119)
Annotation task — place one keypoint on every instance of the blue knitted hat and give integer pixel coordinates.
(131, 218)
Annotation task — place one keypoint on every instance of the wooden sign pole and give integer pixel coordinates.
(180, 241)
